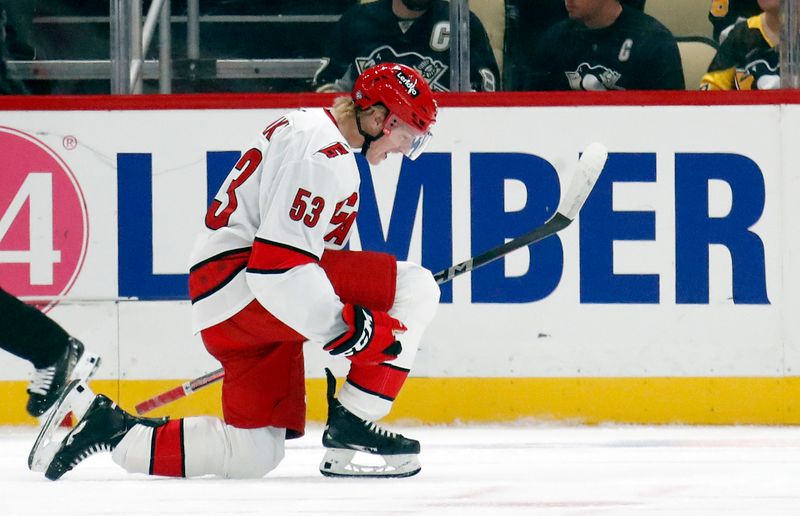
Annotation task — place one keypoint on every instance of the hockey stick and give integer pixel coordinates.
(588, 170)
(179, 392)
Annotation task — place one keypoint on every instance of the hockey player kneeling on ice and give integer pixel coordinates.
(270, 274)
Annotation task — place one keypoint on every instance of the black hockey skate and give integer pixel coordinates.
(47, 383)
(345, 434)
(101, 429)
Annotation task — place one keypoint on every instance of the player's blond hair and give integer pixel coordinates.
(345, 106)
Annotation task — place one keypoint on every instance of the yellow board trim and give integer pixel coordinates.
(714, 401)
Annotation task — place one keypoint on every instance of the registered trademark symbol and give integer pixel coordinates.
(70, 142)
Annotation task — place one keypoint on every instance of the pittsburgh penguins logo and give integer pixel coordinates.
(430, 69)
(593, 78)
(762, 72)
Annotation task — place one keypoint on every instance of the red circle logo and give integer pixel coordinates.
(44, 228)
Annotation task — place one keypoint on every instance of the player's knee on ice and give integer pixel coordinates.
(207, 447)
(255, 452)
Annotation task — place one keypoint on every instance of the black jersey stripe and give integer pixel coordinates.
(396, 368)
(221, 284)
(267, 271)
(289, 247)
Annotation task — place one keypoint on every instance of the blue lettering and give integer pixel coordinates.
(135, 225)
(218, 165)
(135, 234)
(695, 230)
(429, 180)
(491, 225)
(600, 226)
(430, 177)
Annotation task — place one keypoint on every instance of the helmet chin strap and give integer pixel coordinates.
(368, 138)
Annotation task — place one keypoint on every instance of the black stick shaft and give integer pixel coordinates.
(555, 224)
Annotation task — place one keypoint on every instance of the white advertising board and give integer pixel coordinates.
(681, 263)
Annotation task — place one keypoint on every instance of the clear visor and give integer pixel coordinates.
(409, 140)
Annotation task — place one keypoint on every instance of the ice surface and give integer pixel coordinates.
(466, 470)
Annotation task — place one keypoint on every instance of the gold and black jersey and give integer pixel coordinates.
(746, 60)
(724, 13)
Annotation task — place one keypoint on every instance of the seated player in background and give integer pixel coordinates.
(268, 275)
(748, 59)
(415, 33)
(8, 85)
(605, 45)
(56, 356)
(724, 14)
(526, 21)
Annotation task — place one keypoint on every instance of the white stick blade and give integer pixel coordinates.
(587, 171)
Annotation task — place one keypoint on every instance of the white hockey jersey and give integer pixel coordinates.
(290, 196)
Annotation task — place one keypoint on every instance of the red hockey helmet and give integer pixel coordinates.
(404, 93)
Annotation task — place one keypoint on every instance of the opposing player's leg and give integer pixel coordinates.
(56, 356)
(48, 381)
(29, 334)
(370, 390)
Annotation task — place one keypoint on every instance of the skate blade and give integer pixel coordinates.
(339, 462)
(86, 366)
(76, 398)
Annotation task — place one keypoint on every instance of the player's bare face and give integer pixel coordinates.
(770, 6)
(594, 14)
(575, 8)
(583, 9)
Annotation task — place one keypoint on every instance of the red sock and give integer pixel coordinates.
(167, 457)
